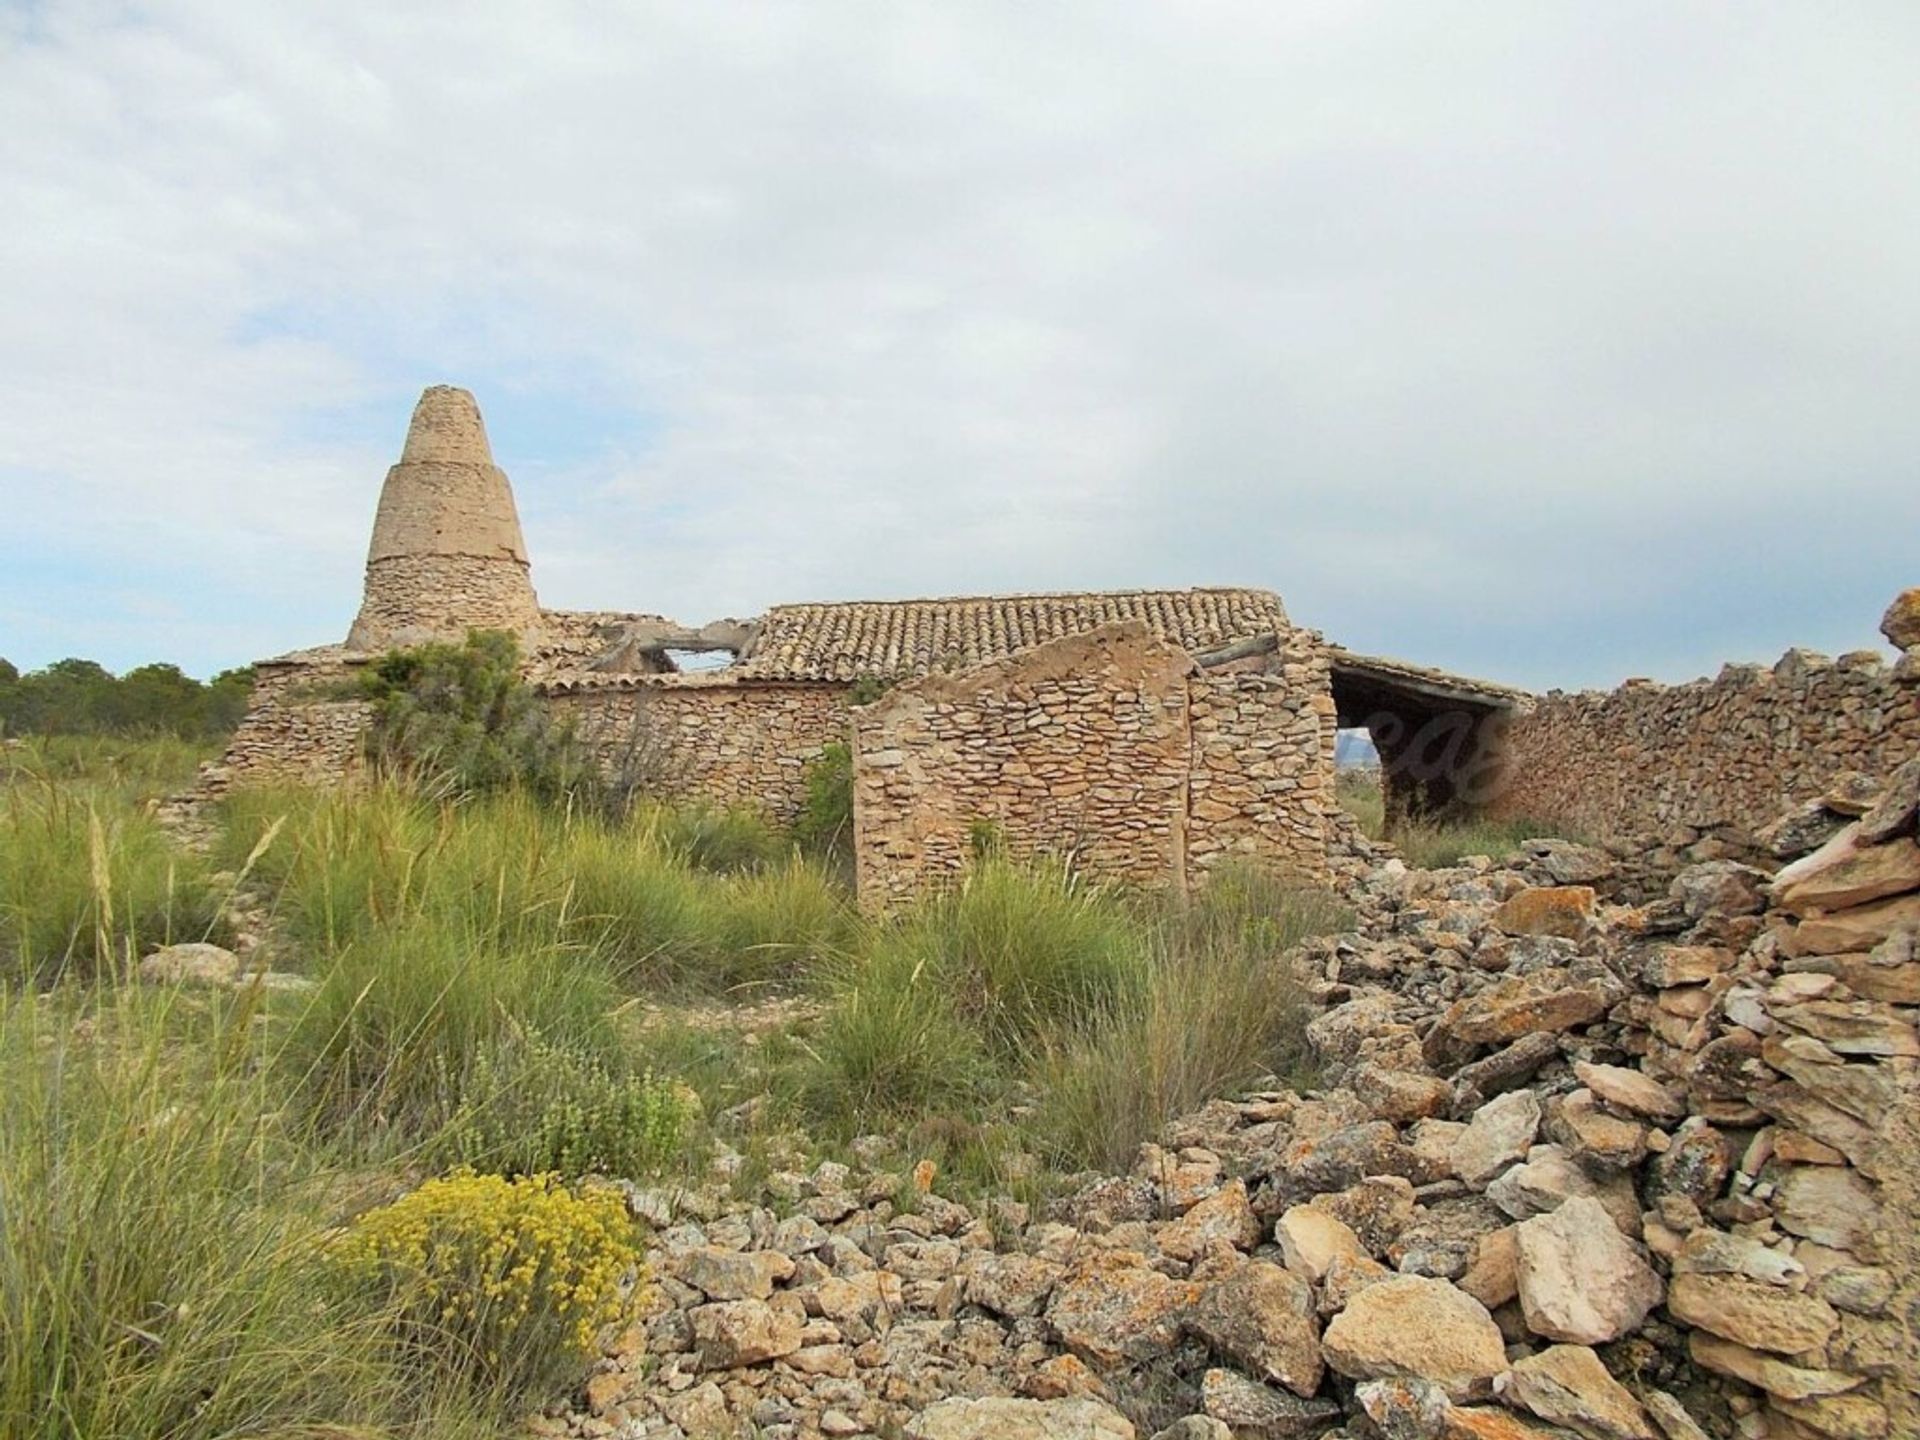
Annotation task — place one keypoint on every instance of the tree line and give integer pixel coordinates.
(81, 697)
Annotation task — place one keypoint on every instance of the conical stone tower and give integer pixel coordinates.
(447, 555)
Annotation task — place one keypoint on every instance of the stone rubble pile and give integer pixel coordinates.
(1580, 1169)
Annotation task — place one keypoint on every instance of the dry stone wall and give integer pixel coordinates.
(1110, 748)
(1076, 748)
(1735, 750)
(293, 731)
(724, 743)
(1260, 778)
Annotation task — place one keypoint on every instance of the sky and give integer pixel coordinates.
(1551, 342)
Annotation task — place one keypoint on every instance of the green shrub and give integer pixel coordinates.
(532, 1106)
(503, 1282)
(457, 720)
(825, 824)
(717, 840)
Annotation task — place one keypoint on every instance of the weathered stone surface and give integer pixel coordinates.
(1498, 1136)
(1767, 1372)
(1592, 1137)
(731, 1274)
(1003, 1419)
(1896, 811)
(1666, 965)
(1720, 887)
(734, 1333)
(1550, 1178)
(1858, 929)
(1846, 872)
(1716, 1252)
(1222, 1219)
(1842, 1417)
(192, 963)
(1828, 1204)
(1901, 623)
(1311, 1240)
(1376, 1209)
(1631, 1091)
(1262, 1318)
(1109, 1310)
(1565, 911)
(1851, 1027)
(1421, 1329)
(1757, 1315)
(1401, 1096)
(1567, 1385)
(1493, 1276)
(1012, 1285)
(1580, 1279)
(1543, 1000)
(1252, 1411)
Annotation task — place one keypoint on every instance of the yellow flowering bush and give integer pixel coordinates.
(506, 1281)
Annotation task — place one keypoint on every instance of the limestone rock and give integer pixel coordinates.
(1195, 1427)
(731, 1274)
(1549, 1179)
(1631, 1091)
(193, 963)
(1549, 999)
(1846, 872)
(1262, 1318)
(1110, 1310)
(1580, 1279)
(1417, 1328)
(1901, 623)
(1222, 1219)
(1567, 1385)
(1766, 1372)
(1565, 911)
(1012, 1285)
(1719, 887)
(1858, 929)
(1593, 1138)
(1895, 812)
(1311, 1240)
(1828, 1204)
(1004, 1419)
(735, 1333)
(1498, 1136)
(1401, 1096)
(1493, 1275)
(1252, 1411)
(1752, 1313)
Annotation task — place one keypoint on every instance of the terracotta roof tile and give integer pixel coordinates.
(892, 639)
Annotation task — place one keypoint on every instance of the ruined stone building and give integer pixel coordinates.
(1148, 734)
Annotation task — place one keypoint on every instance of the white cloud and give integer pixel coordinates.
(1492, 335)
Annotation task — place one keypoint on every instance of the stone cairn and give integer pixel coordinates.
(447, 554)
(1579, 1168)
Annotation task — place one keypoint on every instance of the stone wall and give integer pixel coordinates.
(1076, 748)
(293, 732)
(1735, 750)
(1111, 749)
(1260, 777)
(710, 739)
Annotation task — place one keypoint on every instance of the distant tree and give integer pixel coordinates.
(81, 697)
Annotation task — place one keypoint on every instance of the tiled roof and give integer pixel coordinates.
(893, 639)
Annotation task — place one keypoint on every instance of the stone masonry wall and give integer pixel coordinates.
(1260, 778)
(1078, 747)
(290, 734)
(1736, 750)
(727, 744)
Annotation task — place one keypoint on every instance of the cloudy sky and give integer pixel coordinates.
(1553, 342)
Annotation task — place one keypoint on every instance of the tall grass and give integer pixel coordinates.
(87, 884)
(137, 770)
(1434, 844)
(642, 894)
(159, 1239)
(1111, 1014)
